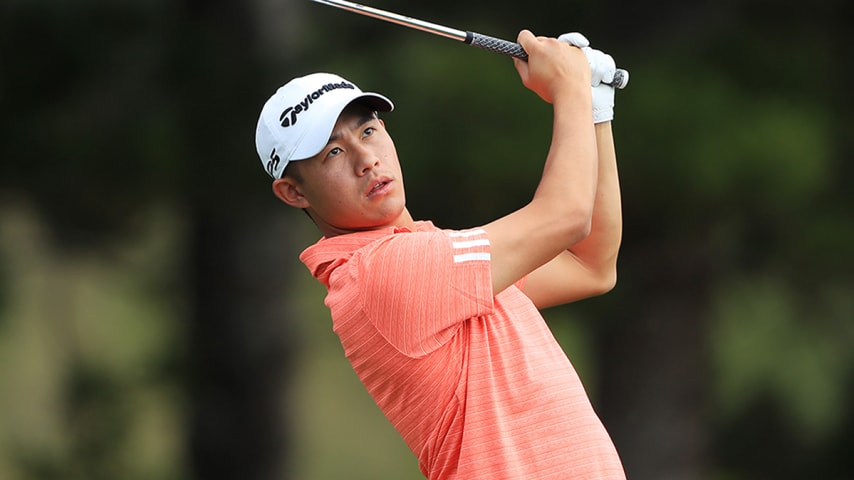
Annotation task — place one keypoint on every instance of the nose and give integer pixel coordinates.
(366, 160)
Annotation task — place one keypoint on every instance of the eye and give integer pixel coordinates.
(368, 132)
(333, 152)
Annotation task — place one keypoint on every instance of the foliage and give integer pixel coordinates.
(734, 140)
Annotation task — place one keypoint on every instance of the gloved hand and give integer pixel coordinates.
(602, 68)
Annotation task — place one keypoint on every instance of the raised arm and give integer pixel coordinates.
(589, 267)
(560, 213)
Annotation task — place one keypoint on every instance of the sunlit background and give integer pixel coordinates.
(155, 322)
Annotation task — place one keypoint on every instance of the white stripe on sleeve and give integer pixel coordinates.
(472, 257)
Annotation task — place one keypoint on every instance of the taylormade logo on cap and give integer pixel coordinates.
(289, 116)
(296, 122)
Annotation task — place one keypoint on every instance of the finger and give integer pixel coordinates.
(602, 66)
(609, 67)
(524, 36)
(521, 66)
(574, 38)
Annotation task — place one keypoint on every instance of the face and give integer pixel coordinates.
(355, 183)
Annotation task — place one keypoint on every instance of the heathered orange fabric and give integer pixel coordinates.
(476, 385)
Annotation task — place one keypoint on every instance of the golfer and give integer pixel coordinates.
(443, 326)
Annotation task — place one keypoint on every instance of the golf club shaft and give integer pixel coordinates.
(486, 42)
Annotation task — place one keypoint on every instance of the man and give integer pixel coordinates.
(442, 326)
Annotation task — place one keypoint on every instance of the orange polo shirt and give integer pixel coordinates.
(475, 383)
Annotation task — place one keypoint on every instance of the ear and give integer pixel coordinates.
(289, 192)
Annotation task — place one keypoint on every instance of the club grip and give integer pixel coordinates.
(513, 49)
(496, 45)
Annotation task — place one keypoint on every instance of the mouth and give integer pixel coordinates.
(380, 187)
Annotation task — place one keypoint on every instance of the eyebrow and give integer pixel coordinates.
(361, 121)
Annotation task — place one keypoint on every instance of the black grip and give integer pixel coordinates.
(512, 49)
(496, 45)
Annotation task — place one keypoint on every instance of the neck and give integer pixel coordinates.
(404, 220)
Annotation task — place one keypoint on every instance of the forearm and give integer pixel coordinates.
(560, 213)
(586, 266)
(569, 181)
(600, 248)
(560, 75)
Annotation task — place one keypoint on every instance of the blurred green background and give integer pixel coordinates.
(155, 322)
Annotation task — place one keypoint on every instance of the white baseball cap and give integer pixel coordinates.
(296, 122)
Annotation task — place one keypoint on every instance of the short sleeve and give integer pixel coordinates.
(419, 287)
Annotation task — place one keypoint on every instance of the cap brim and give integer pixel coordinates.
(375, 101)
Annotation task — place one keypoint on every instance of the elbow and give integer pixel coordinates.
(610, 281)
(606, 280)
(580, 220)
(562, 227)
(577, 226)
(585, 225)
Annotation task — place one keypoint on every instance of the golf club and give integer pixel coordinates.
(497, 45)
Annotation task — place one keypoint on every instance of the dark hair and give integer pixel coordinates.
(292, 171)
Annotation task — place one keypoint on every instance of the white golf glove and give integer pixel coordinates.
(602, 68)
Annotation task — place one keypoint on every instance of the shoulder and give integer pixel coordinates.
(431, 246)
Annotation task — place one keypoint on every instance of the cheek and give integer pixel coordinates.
(330, 189)
(389, 156)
